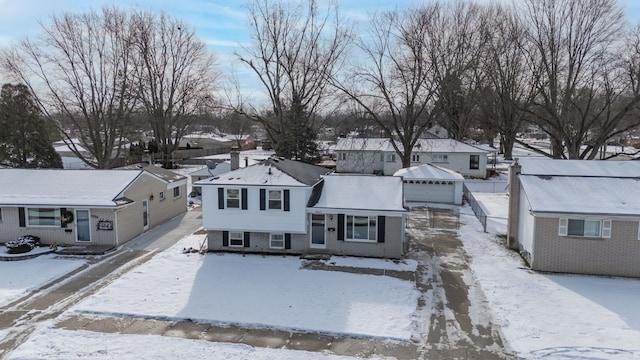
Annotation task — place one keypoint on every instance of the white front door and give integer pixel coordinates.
(145, 214)
(318, 231)
(83, 225)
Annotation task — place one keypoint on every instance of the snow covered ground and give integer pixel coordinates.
(550, 316)
(23, 276)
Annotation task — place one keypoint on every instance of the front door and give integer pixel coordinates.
(145, 214)
(317, 231)
(83, 225)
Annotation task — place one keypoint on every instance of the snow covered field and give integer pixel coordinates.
(20, 277)
(550, 316)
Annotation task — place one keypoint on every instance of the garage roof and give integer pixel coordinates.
(428, 172)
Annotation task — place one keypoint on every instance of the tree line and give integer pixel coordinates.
(569, 67)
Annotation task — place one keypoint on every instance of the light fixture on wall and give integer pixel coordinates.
(151, 197)
(330, 217)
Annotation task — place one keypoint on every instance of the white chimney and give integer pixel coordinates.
(235, 158)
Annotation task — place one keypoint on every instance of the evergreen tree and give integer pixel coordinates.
(24, 139)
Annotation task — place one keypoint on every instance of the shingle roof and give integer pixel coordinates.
(423, 145)
(362, 192)
(162, 173)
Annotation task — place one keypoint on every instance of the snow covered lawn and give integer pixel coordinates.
(262, 291)
(63, 344)
(551, 316)
(22, 276)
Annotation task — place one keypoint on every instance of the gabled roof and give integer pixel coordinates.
(48, 187)
(271, 172)
(422, 146)
(361, 192)
(218, 169)
(162, 173)
(428, 171)
(558, 167)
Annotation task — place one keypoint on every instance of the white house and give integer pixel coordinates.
(431, 183)
(286, 206)
(377, 156)
(576, 216)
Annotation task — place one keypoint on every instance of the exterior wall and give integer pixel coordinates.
(514, 206)
(440, 193)
(10, 228)
(393, 247)
(253, 219)
(458, 162)
(160, 210)
(616, 256)
(364, 162)
(526, 231)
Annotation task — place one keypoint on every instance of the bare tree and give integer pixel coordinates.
(583, 91)
(174, 75)
(505, 84)
(296, 48)
(79, 70)
(392, 83)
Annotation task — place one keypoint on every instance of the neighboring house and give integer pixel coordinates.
(208, 171)
(431, 183)
(286, 206)
(576, 216)
(89, 207)
(377, 156)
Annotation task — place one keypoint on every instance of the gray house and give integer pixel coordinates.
(87, 207)
(576, 216)
(285, 206)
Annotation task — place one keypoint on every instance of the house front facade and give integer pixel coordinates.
(281, 206)
(576, 216)
(377, 156)
(86, 207)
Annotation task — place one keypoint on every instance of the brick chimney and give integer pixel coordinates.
(235, 158)
(513, 221)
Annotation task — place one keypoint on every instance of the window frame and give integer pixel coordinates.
(280, 201)
(415, 158)
(233, 238)
(440, 158)
(161, 195)
(342, 156)
(604, 228)
(391, 158)
(474, 162)
(271, 241)
(57, 221)
(227, 198)
(176, 192)
(372, 230)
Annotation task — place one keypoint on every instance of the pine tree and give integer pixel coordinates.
(24, 139)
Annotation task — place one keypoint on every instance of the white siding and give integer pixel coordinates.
(253, 219)
(460, 162)
(365, 162)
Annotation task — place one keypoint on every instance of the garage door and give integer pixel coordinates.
(430, 191)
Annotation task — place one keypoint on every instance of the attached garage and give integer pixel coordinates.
(431, 183)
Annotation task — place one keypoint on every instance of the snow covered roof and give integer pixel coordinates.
(271, 172)
(582, 195)
(619, 169)
(48, 187)
(361, 192)
(428, 171)
(251, 157)
(219, 168)
(423, 145)
(160, 172)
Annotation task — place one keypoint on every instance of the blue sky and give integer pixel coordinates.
(221, 24)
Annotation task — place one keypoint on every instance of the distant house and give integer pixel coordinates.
(377, 156)
(285, 206)
(432, 184)
(89, 207)
(576, 216)
(209, 171)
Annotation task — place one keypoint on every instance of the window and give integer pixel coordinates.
(43, 217)
(275, 199)
(440, 158)
(236, 239)
(276, 241)
(176, 192)
(585, 228)
(343, 156)
(391, 157)
(161, 195)
(233, 198)
(474, 162)
(361, 228)
(415, 158)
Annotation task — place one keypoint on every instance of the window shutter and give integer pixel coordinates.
(340, 226)
(381, 228)
(606, 229)
(263, 199)
(563, 225)
(22, 217)
(286, 200)
(287, 241)
(220, 198)
(62, 216)
(225, 238)
(244, 199)
(247, 236)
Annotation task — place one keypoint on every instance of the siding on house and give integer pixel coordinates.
(616, 256)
